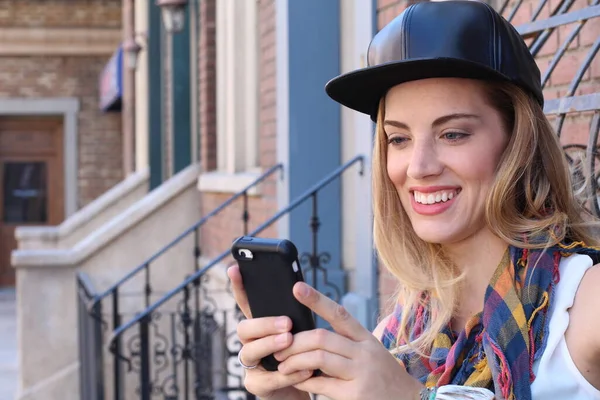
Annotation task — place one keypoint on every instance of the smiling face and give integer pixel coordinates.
(444, 145)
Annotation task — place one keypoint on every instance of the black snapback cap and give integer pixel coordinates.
(459, 38)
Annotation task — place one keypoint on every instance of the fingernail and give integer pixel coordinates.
(281, 323)
(281, 338)
(304, 290)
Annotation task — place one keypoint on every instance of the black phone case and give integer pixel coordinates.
(268, 280)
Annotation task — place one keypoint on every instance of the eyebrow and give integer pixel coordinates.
(439, 121)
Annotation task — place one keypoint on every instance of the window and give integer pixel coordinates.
(237, 97)
(25, 194)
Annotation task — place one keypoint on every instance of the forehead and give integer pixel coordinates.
(434, 97)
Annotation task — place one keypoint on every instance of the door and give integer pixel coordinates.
(31, 180)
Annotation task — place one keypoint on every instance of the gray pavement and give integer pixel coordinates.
(8, 345)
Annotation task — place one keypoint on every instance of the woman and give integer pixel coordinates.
(474, 215)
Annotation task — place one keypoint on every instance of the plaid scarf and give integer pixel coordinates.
(497, 348)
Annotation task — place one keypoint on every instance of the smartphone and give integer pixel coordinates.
(269, 269)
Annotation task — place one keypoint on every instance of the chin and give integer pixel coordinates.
(437, 235)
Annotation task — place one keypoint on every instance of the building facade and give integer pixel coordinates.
(58, 150)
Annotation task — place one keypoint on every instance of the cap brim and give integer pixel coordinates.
(361, 90)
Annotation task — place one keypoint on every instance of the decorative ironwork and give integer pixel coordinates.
(314, 262)
(198, 359)
(582, 158)
(191, 352)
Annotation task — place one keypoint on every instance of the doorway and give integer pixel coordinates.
(31, 180)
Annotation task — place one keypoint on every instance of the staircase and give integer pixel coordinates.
(181, 345)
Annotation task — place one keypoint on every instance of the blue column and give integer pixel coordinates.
(314, 127)
(155, 124)
(181, 107)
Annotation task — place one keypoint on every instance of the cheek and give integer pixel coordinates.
(396, 170)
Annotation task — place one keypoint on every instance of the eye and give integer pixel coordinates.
(396, 140)
(454, 136)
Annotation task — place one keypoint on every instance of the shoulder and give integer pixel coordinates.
(380, 328)
(584, 312)
(582, 336)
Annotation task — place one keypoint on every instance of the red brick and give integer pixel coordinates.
(567, 67)
(575, 129)
(207, 85)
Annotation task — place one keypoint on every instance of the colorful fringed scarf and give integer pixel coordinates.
(498, 346)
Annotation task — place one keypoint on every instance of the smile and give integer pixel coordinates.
(440, 196)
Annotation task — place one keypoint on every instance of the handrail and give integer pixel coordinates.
(86, 284)
(185, 233)
(198, 274)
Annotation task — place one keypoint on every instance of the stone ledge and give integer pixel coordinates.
(226, 182)
(136, 213)
(58, 41)
(87, 213)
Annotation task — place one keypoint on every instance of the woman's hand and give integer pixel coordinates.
(261, 337)
(354, 363)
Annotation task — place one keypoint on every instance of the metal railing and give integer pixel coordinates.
(185, 344)
(583, 158)
(93, 302)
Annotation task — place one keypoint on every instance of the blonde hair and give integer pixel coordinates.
(531, 195)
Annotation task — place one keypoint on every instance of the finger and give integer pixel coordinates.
(239, 293)
(252, 352)
(339, 318)
(331, 364)
(262, 383)
(318, 339)
(323, 385)
(256, 328)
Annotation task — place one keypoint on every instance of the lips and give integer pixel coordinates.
(432, 201)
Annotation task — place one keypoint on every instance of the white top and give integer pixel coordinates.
(557, 377)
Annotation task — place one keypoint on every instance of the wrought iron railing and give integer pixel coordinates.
(93, 324)
(185, 345)
(583, 158)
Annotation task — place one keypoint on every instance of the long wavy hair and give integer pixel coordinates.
(531, 195)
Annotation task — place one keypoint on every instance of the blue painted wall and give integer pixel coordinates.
(314, 124)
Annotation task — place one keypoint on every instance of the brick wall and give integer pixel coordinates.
(576, 127)
(207, 81)
(99, 134)
(219, 232)
(60, 13)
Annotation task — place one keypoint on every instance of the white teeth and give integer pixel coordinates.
(432, 198)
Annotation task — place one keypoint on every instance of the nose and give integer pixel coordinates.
(424, 160)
